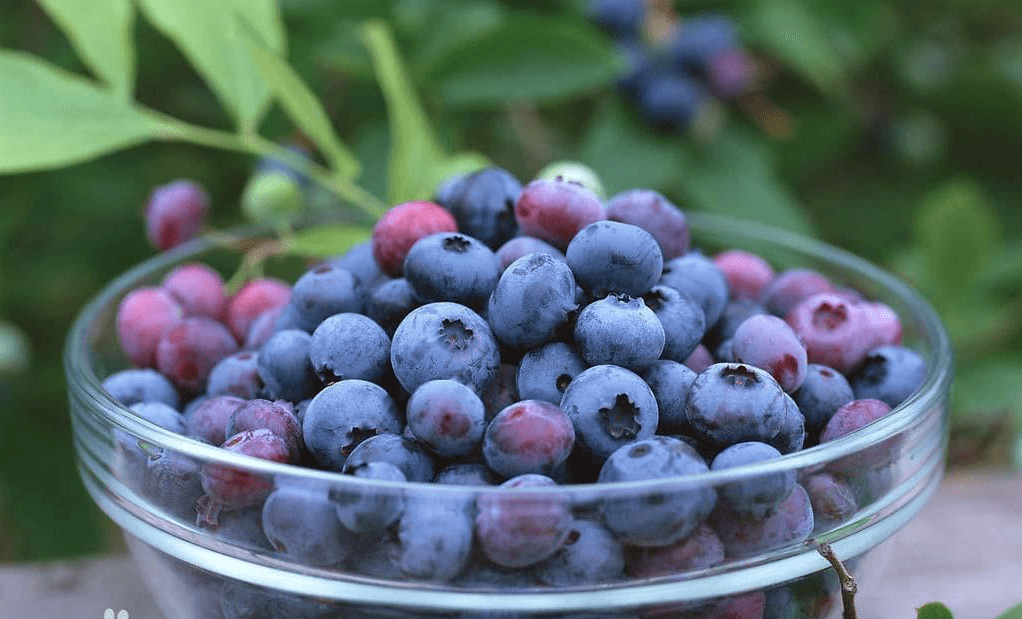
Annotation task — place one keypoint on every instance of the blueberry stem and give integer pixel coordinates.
(848, 586)
(175, 130)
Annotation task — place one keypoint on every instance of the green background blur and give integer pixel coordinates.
(893, 130)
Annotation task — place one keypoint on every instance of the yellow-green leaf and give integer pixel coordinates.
(415, 153)
(264, 17)
(304, 109)
(211, 37)
(50, 118)
(934, 610)
(323, 241)
(101, 31)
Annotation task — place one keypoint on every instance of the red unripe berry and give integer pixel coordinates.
(403, 225)
(747, 274)
(142, 318)
(199, 289)
(253, 299)
(176, 212)
(189, 350)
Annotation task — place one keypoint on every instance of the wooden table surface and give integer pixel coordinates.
(964, 549)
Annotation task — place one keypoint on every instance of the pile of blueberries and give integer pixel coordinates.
(673, 83)
(526, 337)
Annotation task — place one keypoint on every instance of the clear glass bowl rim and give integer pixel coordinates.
(85, 384)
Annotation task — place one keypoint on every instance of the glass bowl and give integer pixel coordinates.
(228, 569)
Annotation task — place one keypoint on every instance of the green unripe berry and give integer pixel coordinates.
(574, 172)
(272, 199)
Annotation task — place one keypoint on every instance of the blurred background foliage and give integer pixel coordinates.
(890, 129)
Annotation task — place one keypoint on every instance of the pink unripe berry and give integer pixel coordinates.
(189, 350)
(789, 288)
(834, 331)
(199, 289)
(555, 211)
(253, 299)
(176, 212)
(768, 343)
(403, 225)
(142, 318)
(747, 274)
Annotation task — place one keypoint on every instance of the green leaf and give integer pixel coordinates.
(415, 154)
(264, 17)
(324, 241)
(989, 387)
(102, 33)
(1015, 612)
(957, 233)
(457, 23)
(793, 33)
(212, 40)
(735, 176)
(626, 155)
(304, 109)
(526, 58)
(51, 118)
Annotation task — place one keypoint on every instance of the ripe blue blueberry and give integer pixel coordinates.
(367, 509)
(697, 40)
(323, 291)
(735, 313)
(757, 495)
(732, 403)
(619, 330)
(349, 346)
(590, 555)
(467, 474)
(659, 516)
(682, 318)
(444, 341)
(533, 298)
(300, 521)
(241, 527)
(501, 392)
(342, 416)
(236, 375)
(483, 204)
(285, 368)
(141, 385)
(409, 456)
(670, 382)
(671, 102)
(609, 407)
(545, 372)
(435, 539)
(359, 261)
(619, 17)
(614, 257)
(792, 435)
(452, 267)
(390, 302)
(447, 417)
(697, 277)
(822, 392)
(172, 482)
(889, 374)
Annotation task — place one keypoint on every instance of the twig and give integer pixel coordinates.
(848, 586)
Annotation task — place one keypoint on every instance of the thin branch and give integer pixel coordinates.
(848, 586)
